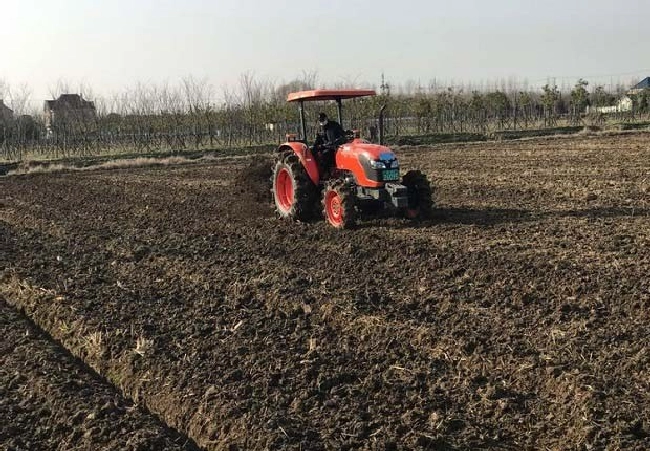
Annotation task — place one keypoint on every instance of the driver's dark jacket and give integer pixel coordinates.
(333, 136)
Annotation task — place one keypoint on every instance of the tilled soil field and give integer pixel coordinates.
(50, 402)
(516, 319)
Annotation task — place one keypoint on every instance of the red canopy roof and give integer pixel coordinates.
(329, 94)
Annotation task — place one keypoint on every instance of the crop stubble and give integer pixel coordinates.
(49, 401)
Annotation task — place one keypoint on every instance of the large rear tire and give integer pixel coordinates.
(339, 205)
(294, 194)
(420, 195)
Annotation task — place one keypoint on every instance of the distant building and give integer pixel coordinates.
(70, 111)
(643, 84)
(623, 105)
(6, 114)
(640, 86)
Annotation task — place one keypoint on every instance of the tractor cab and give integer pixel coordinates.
(336, 95)
(365, 175)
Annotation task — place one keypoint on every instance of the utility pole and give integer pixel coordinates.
(384, 87)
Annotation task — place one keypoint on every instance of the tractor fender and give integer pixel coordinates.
(306, 158)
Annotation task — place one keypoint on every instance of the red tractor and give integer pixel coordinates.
(365, 176)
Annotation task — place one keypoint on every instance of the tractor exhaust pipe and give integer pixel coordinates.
(381, 124)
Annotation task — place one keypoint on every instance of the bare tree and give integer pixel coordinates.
(309, 78)
(251, 95)
(20, 98)
(198, 93)
(62, 86)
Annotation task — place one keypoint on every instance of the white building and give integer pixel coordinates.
(623, 105)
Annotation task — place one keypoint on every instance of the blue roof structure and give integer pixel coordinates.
(643, 84)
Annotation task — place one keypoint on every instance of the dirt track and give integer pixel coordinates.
(517, 319)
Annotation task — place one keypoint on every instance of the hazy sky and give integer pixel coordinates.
(113, 44)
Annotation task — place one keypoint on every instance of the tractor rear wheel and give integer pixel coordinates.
(338, 205)
(420, 195)
(294, 194)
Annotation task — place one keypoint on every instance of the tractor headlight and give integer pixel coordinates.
(377, 164)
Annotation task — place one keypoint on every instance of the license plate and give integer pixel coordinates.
(390, 174)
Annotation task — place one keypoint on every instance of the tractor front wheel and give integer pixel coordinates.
(294, 193)
(338, 205)
(420, 195)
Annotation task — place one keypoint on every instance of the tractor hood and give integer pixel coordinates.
(369, 163)
(368, 151)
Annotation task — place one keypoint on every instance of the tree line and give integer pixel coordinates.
(150, 118)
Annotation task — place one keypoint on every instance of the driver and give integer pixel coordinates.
(328, 140)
